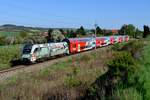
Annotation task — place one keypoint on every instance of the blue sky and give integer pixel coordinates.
(74, 13)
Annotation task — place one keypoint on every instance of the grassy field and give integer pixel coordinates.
(65, 78)
(8, 53)
(80, 77)
(4, 33)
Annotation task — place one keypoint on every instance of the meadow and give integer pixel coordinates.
(119, 72)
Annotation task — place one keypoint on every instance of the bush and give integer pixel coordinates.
(134, 47)
(122, 66)
(117, 46)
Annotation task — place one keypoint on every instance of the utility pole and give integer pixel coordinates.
(95, 25)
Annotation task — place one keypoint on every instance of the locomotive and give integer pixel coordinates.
(34, 52)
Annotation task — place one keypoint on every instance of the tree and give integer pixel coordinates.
(49, 34)
(99, 31)
(2, 40)
(62, 31)
(50, 31)
(55, 36)
(36, 39)
(128, 30)
(138, 33)
(146, 31)
(122, 31)
(23, 34)
(81, 31)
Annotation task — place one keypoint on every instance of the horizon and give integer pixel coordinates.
(108, 14)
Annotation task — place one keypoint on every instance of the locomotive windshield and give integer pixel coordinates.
(27, 49)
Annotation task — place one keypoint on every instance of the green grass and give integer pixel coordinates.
(145, 72)
(8, 53)
(126, 94)
(4, 33)
(140, 90)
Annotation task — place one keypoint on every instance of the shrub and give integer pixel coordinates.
(135, 47)
(122, 66)
(117, 46)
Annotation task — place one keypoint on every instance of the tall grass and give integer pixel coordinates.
(144, 74)
(67, 79)
(126, 94)
(8, 53)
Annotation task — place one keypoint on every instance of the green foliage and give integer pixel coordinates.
(122, 66)
(70, 34)
(71, 81)
(55, 36)
(8, 33)
(128, 30)
(143, 82)
(9, 38)
(134, 47)
(34, 39)
(76, 70)
(138, 34)
(108, 34)
(93, 90)
(61, 65)
(81, 31)
(99, 31)
(2, 40)
(118, 46)
(12, 80)
(45, 72)
(23, 34)
(8, 53)
(146, 31)
(126, 94)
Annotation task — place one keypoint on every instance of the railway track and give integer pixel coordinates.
(5, 74)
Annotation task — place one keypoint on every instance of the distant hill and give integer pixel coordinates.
(16, 28)
(11, 27)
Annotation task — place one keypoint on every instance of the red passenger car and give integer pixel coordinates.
(112, 39)
(80, 44)
(120, 39)
(100, 41)
(126, 38)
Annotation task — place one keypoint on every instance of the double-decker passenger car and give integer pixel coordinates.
(81, 44)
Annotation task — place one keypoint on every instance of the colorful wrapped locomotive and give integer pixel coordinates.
(36, 52)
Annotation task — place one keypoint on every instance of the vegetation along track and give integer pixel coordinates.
(4, 74)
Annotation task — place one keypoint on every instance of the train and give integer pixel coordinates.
(35, 52)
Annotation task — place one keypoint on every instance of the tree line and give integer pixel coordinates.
(60, 34)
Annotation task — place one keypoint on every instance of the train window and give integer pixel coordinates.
(27, 49)
(37, 50)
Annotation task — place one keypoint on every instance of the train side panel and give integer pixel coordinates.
(81, 44)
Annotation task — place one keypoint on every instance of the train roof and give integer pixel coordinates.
(80, 39)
